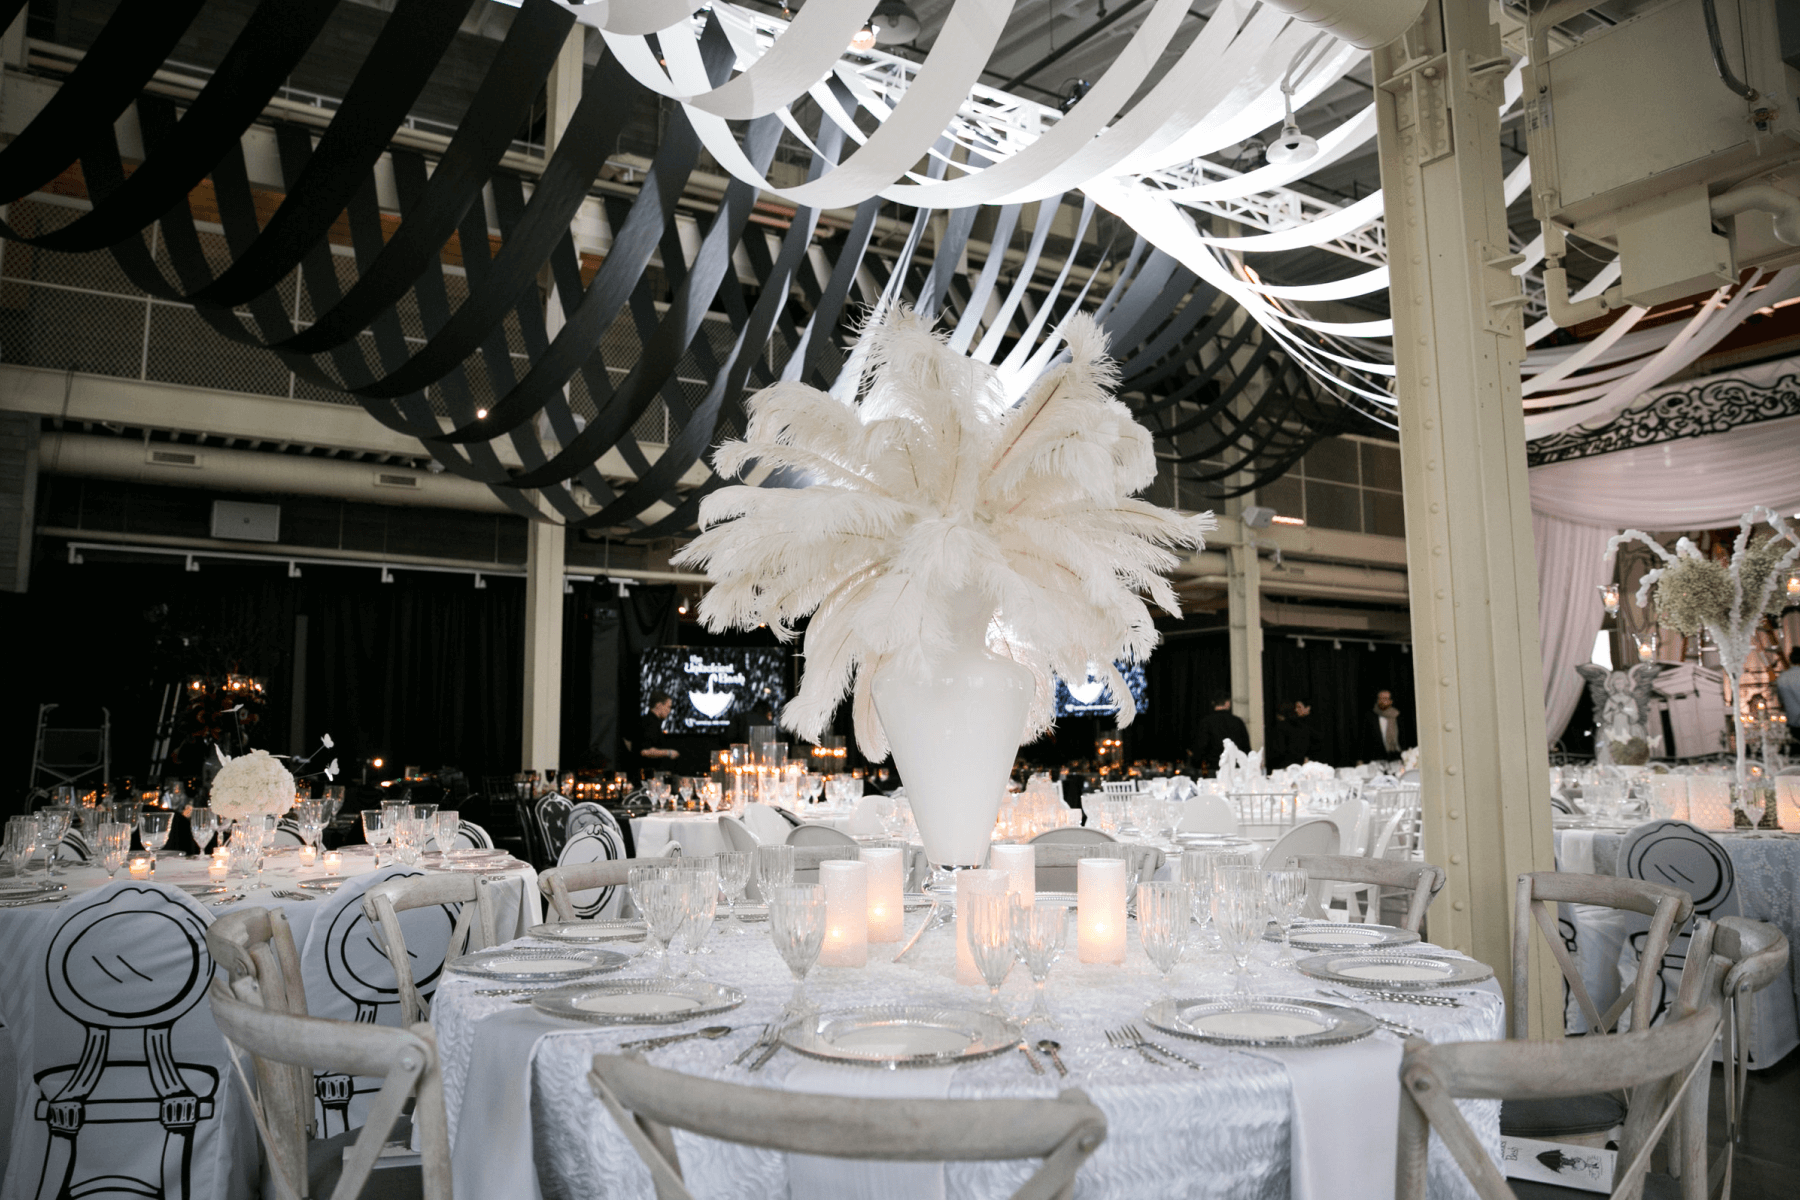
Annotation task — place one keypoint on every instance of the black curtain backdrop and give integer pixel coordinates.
(1340, 685)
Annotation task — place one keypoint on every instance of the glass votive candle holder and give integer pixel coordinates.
(141, 865)
(334, 862)
(309, 855)
(218, 867)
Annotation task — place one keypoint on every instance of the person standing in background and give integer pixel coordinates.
(1215, 727)
(1384, 729)
(653, 743)
(1291, 740)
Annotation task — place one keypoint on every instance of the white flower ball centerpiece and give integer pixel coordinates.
(953, 553)
(254, 784)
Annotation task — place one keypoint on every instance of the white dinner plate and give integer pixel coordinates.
(588, 931)
(1260, 1021)
(638, 1001)
(902, 1035)
(537, 963)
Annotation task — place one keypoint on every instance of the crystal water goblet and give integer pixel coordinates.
(112, 843)
(448, 825)
(53, 826)
(153, 831)
(203, 823)
(377, 830)
(986, 919)
(734, 876)
(1038, 933)
(684, 787)
(21, 842)
(701, 903)
(797, 927)
(1240, 917)
(637, 877)
(663, 902)
(1164, 914)
(1286, 896)
(774, 867)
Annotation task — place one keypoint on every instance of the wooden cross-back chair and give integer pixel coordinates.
(1421, 879)
(1668, 909)
(1056, 861)
(1664, 1069)
(285, 1045)
(559, 884)
(475, 929)
(648, 1102)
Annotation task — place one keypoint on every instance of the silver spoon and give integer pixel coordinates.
(1049, 1047)
(657, 1043)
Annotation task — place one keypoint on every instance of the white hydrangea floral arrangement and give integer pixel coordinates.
(251, 785)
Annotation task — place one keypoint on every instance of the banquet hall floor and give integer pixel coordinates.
(1768, 1162)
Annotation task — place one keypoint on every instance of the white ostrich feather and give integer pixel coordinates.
(930, 485)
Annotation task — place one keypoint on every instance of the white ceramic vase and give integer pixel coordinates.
(954, 728)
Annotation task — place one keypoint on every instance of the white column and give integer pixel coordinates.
(540, 746)
(1243, 591)
(1457, 345)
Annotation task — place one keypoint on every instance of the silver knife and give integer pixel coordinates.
(762, 1039)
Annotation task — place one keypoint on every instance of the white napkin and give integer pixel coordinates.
(1346, 1119)
(492, 1157)
(814, 1178)
(1575, 852)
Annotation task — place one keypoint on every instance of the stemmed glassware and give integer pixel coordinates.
(1164, 914)
(797, 925)
(53, 826)
(700, 902)
(203, 822)
(734, 877)
(377, 830)
(662, 902)
(408, 837)
(449, 824)
(987, 927)
(1239, 916)
(658, 790)
(1038, 933)
(22, 834)
(153, 831)
(112, 844)
(1286, 895)
(774, 867)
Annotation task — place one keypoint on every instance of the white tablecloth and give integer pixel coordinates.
(1224, 1132)
(24, 938)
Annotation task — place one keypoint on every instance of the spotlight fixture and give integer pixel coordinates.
(1257, 516)
(1292, 146)
(895, 23)
(863, 39)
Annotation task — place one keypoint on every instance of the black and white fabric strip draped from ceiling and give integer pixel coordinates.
(1189, 355)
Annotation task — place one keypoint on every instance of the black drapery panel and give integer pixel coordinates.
(426, 670)
(605, 673)
(1182, 672)
(1340, 686)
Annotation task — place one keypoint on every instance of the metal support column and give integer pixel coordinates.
(541, 744)
(1457, 344)
(1243, 591)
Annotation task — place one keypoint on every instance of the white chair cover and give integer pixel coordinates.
(348, 977)
(124, 1077)
(1207, 814)
(287, 833)
(765, 823)
(599, 843)
(470, 836)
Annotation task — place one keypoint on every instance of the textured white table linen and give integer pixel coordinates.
(813, 1178)
(1224, 1132)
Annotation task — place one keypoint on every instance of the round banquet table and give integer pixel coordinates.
(26, 931)
(520, 1103)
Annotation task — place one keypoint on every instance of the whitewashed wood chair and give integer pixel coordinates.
(808, 858)
(1421, 880)
(818, 835)
(648, 1102)
(562, 886)
(285, 1049)
(1749, 956)
(1073, 834)
(1591, 1112)
(258, 943)
(1664, 1069)
(1056, 860)
(475, 929)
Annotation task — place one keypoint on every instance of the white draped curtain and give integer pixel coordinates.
(1692, 483)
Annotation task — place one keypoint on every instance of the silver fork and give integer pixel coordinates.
(289, 894)
(1120, 1041)
(762, 1040)
(1136, 1035)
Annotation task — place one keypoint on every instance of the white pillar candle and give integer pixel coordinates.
(1787, 799)
(334, 862)
(846, 883)
(1100, 912)
(972, 882)
(140, 866)
(1020, 865)
(309, 855)
(887, 889)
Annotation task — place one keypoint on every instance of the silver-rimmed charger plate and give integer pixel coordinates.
(588, 931)
(638, 1001)
(1388, 971)
(537, 964)
(203, 889)
(505, 862)
(329, 883)
(1276, 1021)
(14, 890)
(1341, 936)
(902, 1035)
(474, 853)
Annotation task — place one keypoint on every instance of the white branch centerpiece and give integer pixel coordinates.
(952, 554)
(1695, 592)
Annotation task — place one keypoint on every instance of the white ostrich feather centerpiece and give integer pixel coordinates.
(928, 486)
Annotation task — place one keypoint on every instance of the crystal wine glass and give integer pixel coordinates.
(112, 840)
(685, 789)
(449, 824)
(1164, 914)
(203, 822)
(22, 835)
(663, 902)
(987, 927)
(734, 877)
(53, 826)
(376, 830)
(1038, 933)
(797, 926)
(638, 877)
(153, 831)
(1239, 916)
(1286, 894)
(700, 902)
(774, 867)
